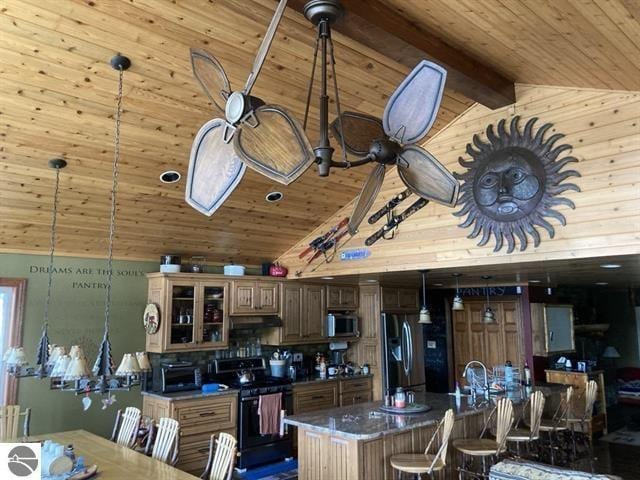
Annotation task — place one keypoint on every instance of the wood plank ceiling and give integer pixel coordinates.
(57, 97)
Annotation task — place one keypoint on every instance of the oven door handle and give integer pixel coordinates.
(250, 399)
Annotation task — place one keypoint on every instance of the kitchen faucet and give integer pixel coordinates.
(486, 378)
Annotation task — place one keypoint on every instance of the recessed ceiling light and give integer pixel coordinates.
(371, 280)
(438, 284)
(610, 265)
(602, 284)
(535, 281)
(170, 176)
(327, 278)
(273, 197)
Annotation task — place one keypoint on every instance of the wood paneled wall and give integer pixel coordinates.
(604, 129)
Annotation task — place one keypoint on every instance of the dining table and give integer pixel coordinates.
(114, 462)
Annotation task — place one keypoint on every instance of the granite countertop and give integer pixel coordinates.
(365, 421)
(189, 395)
(330, 379)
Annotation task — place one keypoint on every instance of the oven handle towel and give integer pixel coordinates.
(269, 409)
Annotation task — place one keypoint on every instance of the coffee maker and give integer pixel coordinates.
(337, 351)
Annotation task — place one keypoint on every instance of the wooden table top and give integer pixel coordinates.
(114, 461)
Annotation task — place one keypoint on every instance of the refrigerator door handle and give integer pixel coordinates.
(406, 337)
(410, 349)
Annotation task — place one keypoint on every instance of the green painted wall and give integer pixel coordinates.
(77, 316)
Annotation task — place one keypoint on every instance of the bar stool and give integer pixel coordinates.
(532, 434)
(484, 447)
(584, 420)
(419, 463)
(557, 423)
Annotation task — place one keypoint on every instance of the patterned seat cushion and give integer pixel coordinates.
(511, 470)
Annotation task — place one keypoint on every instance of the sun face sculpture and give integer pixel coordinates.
(512, 183)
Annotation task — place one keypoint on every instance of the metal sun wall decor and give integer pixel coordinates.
(513, 181)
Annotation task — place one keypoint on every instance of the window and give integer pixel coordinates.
(11, 306)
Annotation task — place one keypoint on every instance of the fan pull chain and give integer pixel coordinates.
(114, 188)
(337, 98)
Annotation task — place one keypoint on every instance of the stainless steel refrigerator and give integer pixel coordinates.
(402, 352)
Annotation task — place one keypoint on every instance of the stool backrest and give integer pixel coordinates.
(126, 427)
(165, 446)
(444, 429)
(536, 408)
(504, 421)
(10, 422)
(590, 398)
(222, 454)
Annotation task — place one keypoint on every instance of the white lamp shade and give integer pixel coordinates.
(458, 304)
(61, 365)
(143, 361)
(610, 352)
(425, 316)
(17, 358)
(7, 354)
(128, 365)
(489, 316)
(76, 352)
(76, 370)
(56, 352)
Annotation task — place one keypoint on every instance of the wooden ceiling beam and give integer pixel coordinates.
(381, 28)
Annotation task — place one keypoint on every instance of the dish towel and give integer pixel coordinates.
(269, 411)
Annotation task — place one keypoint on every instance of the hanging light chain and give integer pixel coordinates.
(114, 188)
(52, 248)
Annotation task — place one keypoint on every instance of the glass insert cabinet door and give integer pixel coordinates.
(198, 316)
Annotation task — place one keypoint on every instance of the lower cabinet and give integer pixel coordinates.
(355, 390)
(199, 419)
(308, 397)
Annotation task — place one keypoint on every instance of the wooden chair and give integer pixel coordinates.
(487, 448)
(584, 420)
(10, 421)
(419, 463)
(558, 422)
(165, 441)
(531, 434)
(222, 457)
(125, 430)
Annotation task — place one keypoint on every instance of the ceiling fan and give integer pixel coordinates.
(408, 117)
(267, 138)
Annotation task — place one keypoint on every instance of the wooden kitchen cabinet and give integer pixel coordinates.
(304, 313)
(199, 419)
(355, 390)
(255, 297)
(341, 297)
(552, 329)
(400, 299)
(193, 312)
(312, 396)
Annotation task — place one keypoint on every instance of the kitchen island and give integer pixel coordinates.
(356, 442)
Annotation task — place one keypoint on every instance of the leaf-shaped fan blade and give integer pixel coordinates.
(366, 198)
(276, 147)
(359, 131)
(214, 169)
(211, 77)
(426, 177)
(413, 107)
(264, 47)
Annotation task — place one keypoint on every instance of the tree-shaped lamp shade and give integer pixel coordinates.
(104, 362)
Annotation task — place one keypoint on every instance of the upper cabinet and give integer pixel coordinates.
(400, 299)
(193, 313)
(342, 297)
(255, 297)
(304, 312)
(552, 329)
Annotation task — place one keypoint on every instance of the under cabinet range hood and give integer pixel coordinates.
(246, 323)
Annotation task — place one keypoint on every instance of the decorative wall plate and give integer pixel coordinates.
(151, 318)
(512, 183)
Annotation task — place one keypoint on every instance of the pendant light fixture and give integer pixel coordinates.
(489, 316)
(105, 377)
(15, 358)
(425, 314)
(458, 304)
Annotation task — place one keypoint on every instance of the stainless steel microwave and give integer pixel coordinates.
(342, 325)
